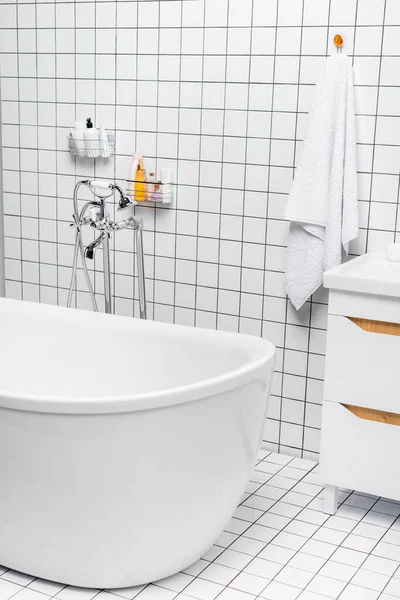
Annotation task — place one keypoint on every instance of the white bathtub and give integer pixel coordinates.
(125, 445)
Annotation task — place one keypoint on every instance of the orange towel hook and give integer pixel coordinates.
(338, 41)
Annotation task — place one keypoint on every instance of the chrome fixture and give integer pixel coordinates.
(98, 218)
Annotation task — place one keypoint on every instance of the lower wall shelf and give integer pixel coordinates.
(150, 193)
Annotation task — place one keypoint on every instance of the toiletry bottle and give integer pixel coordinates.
(132, 172)
(73, 146)
(150, 185)
(157, 195)
(77, 135)
(140, 185)
(92, 141)
(166, 178)
(104, 145)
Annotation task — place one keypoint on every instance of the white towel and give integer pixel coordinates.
(322, 206)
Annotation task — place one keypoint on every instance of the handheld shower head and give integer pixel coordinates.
(105, 189)
(124, 202)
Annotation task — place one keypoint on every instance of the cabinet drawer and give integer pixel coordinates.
(359, 454)
(363, 367)
(367, 306)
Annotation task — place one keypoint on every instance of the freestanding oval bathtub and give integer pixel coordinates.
(125, 445)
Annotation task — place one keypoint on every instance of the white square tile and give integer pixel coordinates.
(197, 567)
(370, 580)
(216, 15)
(248, 546)
(360, 501)
(233, 559)
(240, 13)
(232, 594)
(8, 589)
(354, 592)
(289, 13)
(263, 568)
(393, 588)
(380, 519)
(295, 577)
(326, 586)
(339, 571)
(152, 592)
(392, 16)
(368, 530)
(380, 565)
(316, 548)
(175, 583)
(349, 557)
(280, 591)
(362, 544)
(340, 524)
(219, 574)
(28, 594)
(385, 550)
(371, 15)
(203, 590)
(246, 582)
(74, 593)
(387, 507)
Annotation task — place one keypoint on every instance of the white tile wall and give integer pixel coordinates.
(219, 90)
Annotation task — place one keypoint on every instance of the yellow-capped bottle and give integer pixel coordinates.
(140, 185)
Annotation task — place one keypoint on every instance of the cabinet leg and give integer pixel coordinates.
(330, 499)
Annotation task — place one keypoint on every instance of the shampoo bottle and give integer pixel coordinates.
(140, 179)
(157, 195)
(132, 171)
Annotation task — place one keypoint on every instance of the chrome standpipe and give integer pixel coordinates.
(140, 266)
(104, 220)
(108, 305)
(137, 225)
(101, 221)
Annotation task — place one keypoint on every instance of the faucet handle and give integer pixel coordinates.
(77, 224)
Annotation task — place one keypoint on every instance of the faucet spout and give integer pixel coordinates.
(89, 252)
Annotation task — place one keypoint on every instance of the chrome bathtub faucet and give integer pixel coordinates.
(99, 219)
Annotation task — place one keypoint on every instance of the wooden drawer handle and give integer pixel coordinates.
(369, 414)
(376, 326)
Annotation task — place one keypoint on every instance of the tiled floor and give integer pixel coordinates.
(278, 546)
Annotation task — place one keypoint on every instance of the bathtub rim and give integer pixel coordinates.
(257, 367)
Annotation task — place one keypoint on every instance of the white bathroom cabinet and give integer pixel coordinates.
(360, 443)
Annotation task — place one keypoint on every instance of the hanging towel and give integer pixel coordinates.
(322, 206)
